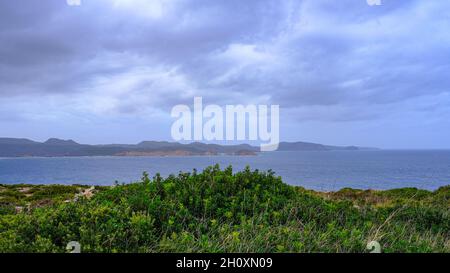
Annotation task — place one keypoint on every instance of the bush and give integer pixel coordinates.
(221, 211)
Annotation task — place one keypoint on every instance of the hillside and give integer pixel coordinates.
(10, 147)
(221, 211)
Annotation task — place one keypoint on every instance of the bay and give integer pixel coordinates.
(321, 170)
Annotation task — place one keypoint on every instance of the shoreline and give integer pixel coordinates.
(78, 188)
(219, 211)
(225, 154)
(129, 156)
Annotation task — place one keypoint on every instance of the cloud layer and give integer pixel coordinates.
(343, 72)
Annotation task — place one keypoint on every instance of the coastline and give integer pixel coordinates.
(24, 192)
(221, 211)
(321, 171)
(140, 155)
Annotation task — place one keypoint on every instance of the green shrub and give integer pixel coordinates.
(221, 211)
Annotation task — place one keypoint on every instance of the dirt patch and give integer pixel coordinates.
(44, 203)
(24, 190)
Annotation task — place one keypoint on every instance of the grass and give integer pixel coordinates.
(221, 211)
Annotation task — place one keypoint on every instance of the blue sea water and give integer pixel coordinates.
(326, 171)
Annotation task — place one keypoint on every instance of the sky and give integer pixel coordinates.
(343, 72)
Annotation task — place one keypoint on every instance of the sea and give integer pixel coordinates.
(317, 170)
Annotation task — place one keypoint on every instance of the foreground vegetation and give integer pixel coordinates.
(221, 211)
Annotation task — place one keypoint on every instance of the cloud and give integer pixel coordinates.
(324, 61)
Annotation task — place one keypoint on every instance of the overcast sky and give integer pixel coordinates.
(343, 72)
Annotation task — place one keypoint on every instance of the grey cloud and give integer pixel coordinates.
(344, 56)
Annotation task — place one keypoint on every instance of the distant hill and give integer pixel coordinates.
(55, 141)
(305, 146)
(16, 141)
(15, 147)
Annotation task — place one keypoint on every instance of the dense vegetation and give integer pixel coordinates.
(221, 211)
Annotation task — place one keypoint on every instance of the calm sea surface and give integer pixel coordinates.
(314, 170)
